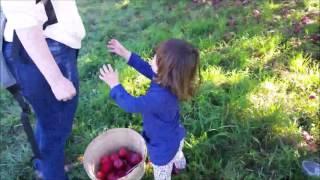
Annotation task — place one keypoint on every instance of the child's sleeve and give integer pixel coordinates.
(130, 103)
(141, 66)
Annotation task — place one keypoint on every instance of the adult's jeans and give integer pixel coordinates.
(54, 118)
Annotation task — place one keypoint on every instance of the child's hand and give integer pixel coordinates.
(116, 47)
(109, 76)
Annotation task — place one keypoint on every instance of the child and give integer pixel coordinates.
(172, 72)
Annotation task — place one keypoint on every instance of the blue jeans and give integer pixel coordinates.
(54, 118)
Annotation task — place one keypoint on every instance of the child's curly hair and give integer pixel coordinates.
(177, 62)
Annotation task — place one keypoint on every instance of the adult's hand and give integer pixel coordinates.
(63, 89)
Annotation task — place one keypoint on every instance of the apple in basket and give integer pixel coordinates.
(118, 164)
(134, 158)
(123, 152)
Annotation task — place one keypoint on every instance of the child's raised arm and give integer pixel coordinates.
(130, 103)
(126, 102)
(114, 46)
(132, 59)
(141, 65)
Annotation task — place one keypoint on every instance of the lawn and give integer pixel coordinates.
(260, 85)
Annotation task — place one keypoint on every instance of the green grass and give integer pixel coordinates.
(245, 121)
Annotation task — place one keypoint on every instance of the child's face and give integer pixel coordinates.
(153, 64)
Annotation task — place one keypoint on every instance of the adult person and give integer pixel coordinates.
(45, 67)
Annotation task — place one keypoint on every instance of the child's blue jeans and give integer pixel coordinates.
(54, 118)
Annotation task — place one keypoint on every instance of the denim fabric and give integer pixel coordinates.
(54, 118)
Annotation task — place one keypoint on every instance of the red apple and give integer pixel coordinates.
(106, 168)
(128, 167)
(125, 164)
(114, 156)
(121, 173)
(100, 175)
(123, 152)
(135, 158)
(118, 164)
(105, 159)
(112, 176)
(129, 154)
(106, 164)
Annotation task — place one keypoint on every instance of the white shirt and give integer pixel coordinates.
(23, 14)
